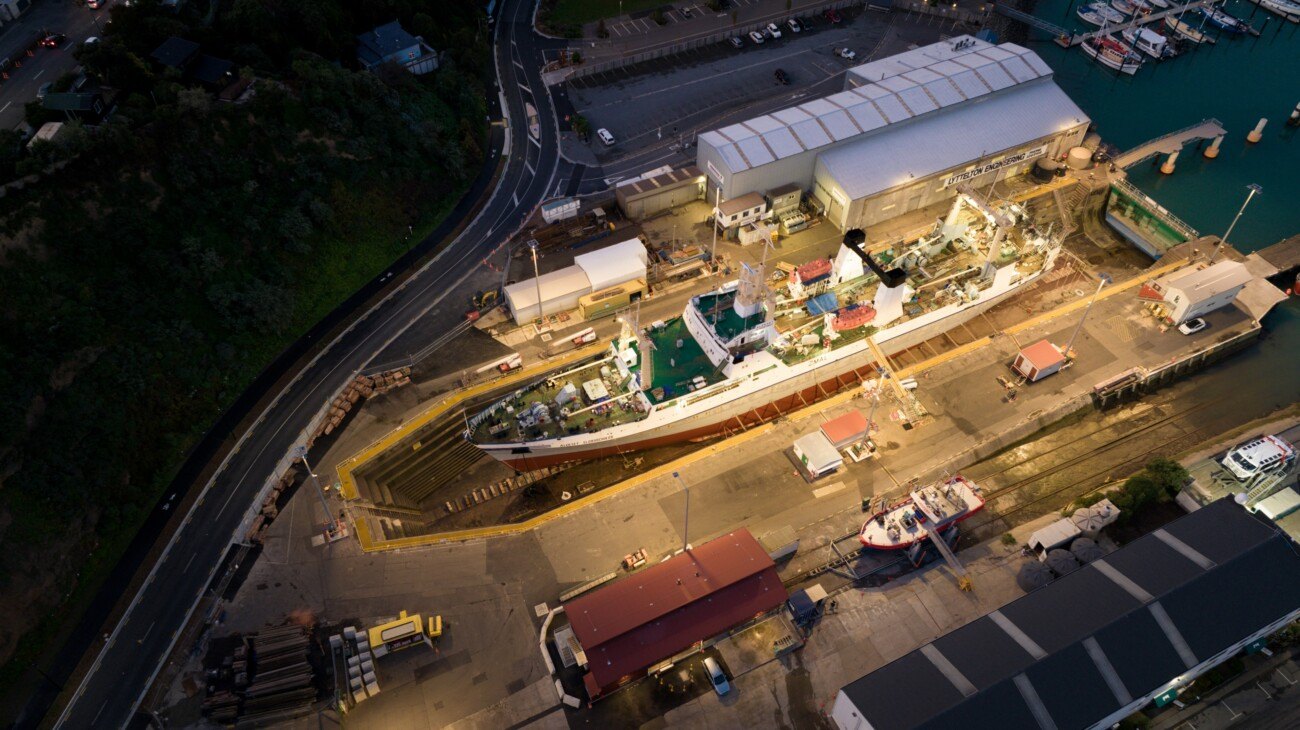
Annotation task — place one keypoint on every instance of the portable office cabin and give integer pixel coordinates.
(817, 454)
(1038, 361)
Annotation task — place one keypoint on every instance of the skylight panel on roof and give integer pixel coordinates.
(970, 84)
(867, 116)
(897, 83)
(1019, 70)
(892, 108)
(921, 76)
(810, 133)
(791, 115)
(763, 124)
(756, 151)
(944, 92)
(783, 142)
(994, 76)
(917, 100)
(839, 124)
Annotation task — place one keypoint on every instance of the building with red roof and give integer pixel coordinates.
(649, 616)
(1039, 360)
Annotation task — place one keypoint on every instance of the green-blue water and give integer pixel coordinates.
(1237, 81)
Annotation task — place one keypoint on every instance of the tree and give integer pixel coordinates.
(1168, 474)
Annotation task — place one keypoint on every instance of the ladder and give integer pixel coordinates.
(963, 578)
(1263, 486)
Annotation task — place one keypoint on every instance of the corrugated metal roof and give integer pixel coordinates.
(651, 615)
(1098, 642)
(901, 87)
(955, 136)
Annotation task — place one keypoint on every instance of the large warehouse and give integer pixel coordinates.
(904, 133)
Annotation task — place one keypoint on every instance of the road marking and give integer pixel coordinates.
(535, 141)
(520, 65)
(97, 714)
(186, 569)
(828, 490)
(38, 74)
(515, 197)
(529, 165)
(6, 106)
(146, 631)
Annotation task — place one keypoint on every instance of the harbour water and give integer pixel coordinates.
(1237, 81)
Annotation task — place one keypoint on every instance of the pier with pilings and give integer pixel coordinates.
(1172, 143)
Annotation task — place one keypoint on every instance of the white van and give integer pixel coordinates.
(717, 677)
(605, 137)
(1266, 453)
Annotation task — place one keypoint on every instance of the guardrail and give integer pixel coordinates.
(1156, 209)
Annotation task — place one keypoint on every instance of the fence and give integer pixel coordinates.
(1156, 209)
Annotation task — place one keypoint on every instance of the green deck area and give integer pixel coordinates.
(674, 367)
(726, 323)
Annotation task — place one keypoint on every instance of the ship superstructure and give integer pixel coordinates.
(745, 348)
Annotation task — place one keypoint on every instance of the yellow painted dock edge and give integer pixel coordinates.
(369, 544)
(348, 484)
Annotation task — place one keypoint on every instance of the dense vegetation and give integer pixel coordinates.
(187, 241)
(1158, 482)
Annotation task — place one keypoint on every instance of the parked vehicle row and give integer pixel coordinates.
(774, 31)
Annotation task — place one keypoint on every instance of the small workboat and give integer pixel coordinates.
(1112, 54)
(1185, 31)
(930, 509)
(1149, 42)
(1123, 6)
(1159, 4)
(1143, 6)
(1285, 8)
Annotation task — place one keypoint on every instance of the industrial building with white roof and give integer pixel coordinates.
(903, 134)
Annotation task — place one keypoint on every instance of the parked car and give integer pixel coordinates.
(756, 37)
(781, 77)
(793, 25)
(1192, 326)
(846, 53)
(94, 4)
(773, 32)
(717, 677)
(53, 40)
(44, 91)
(736, 42)
(605, 137)
(90, 41)
(833, 15)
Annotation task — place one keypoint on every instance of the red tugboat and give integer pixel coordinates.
(931, 508)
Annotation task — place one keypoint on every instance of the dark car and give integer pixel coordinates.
(833, 15)
(782, 77)
(53, 40)
(736, 42)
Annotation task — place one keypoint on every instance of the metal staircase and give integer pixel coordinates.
(963, 578)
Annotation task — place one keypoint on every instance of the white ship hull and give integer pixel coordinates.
(733, 405)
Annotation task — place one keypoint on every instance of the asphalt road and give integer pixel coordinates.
(68, 17)
(125, 665)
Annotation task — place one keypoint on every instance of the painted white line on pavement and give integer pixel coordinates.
(6, 106)
(186, 569)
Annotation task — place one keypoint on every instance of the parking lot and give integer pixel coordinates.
(657, 101)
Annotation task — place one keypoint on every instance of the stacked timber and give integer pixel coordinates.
(267, 678)
(364, 386)
(257, 531)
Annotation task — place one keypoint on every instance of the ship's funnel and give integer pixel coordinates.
(853, 239)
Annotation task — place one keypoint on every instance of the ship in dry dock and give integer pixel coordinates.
(748, 350)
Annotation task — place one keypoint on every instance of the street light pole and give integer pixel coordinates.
(1102, 280)
(537, 278)
(301, 453)
(686, 524)
(1253, 188)
(713, 253)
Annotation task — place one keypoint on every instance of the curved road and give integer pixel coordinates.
(127, 662)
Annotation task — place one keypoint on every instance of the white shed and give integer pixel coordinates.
(817, 454)
(1189, 294)
(560, 292)
(614, 265)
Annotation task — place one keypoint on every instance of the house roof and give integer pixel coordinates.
(175, 52)
(655, 613)
(847, 428)
(210, 69)
(744, 202)
(1073, 652)
(71, 102)
(1043, 355)
(379, 43)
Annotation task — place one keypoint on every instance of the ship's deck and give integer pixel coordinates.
(719, 313)
(502, 425)
(674, 369)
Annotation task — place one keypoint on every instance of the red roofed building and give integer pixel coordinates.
(846, 429)
(630, 625)
(1039, 360)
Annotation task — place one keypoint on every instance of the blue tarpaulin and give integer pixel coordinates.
(823, 303)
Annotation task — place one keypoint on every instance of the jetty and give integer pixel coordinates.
(1068, 38)
(1170, 143)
